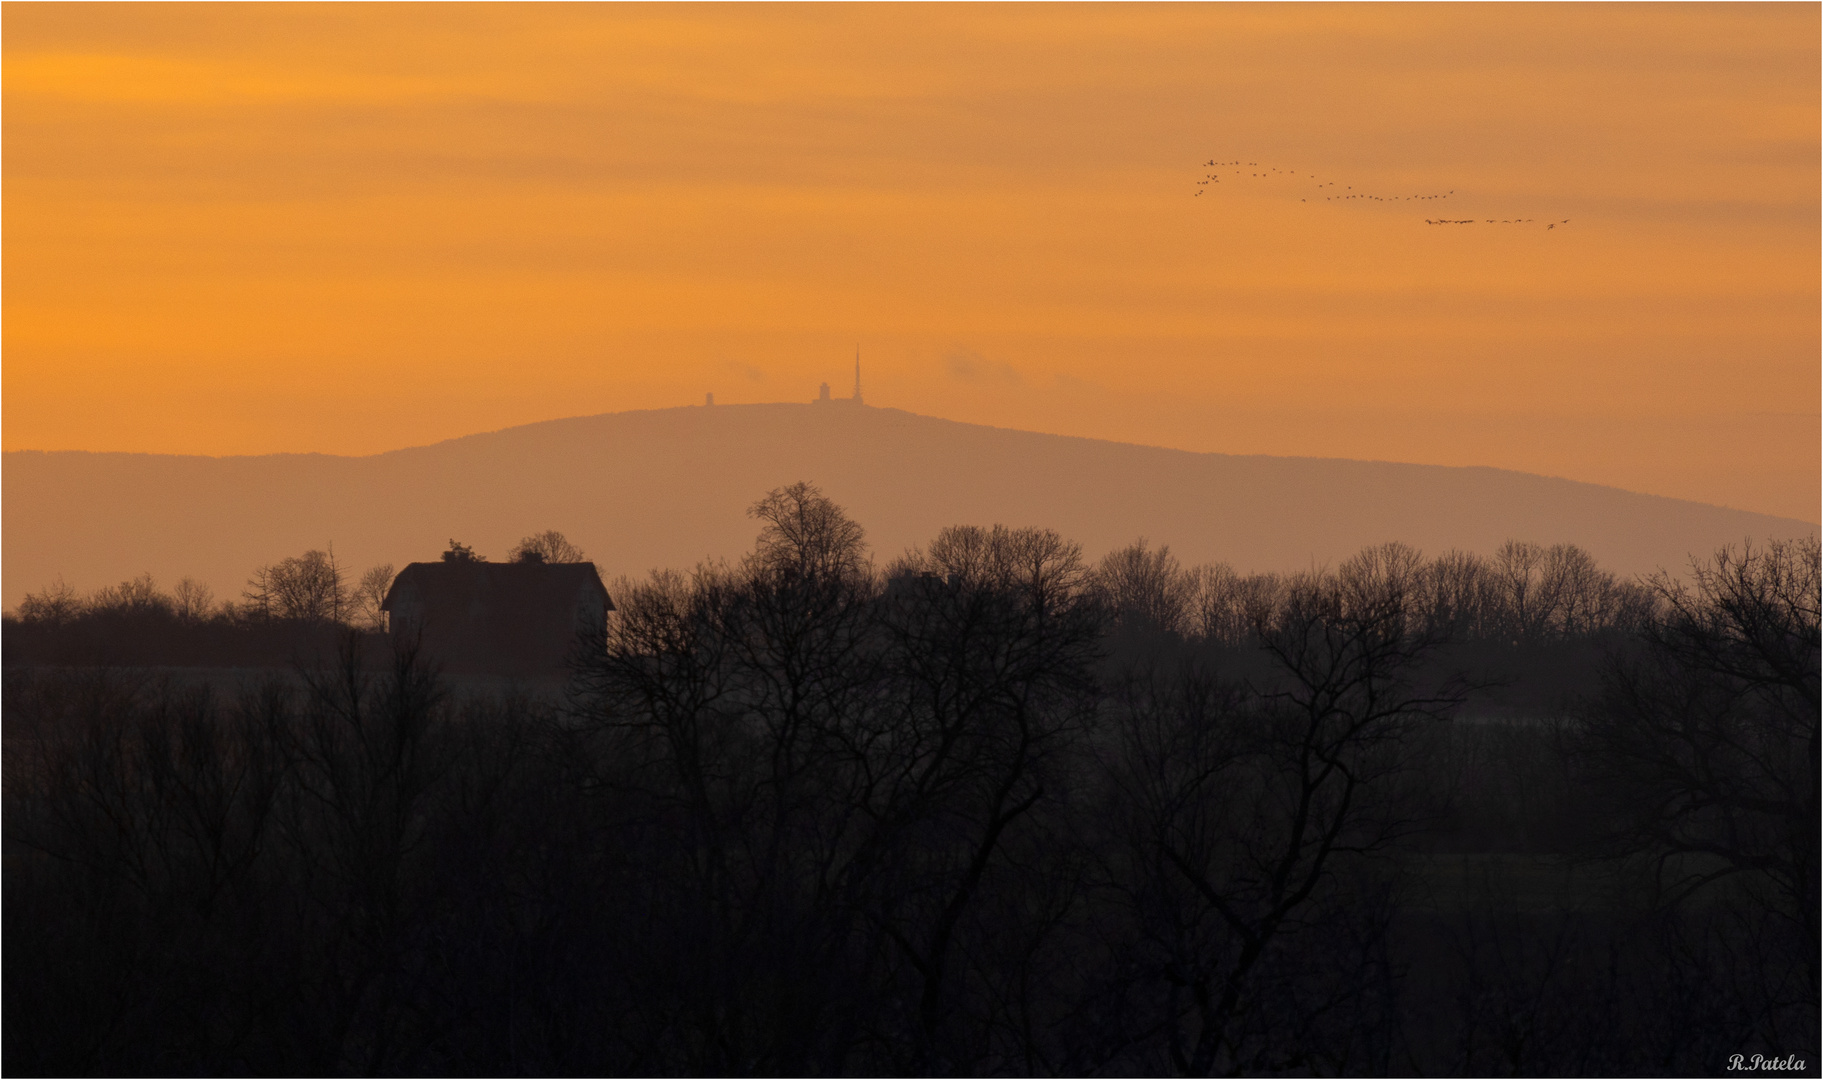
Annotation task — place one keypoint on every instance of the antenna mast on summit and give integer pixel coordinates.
(857, 374)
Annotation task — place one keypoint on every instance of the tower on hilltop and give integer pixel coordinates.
(823, 397)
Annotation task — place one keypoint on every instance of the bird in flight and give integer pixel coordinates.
(1244, 172)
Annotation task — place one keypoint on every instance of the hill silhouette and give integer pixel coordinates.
(667, 487)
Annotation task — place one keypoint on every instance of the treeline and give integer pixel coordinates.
(988, 809)
(1524, 592)
(312, 587)
(290, 611)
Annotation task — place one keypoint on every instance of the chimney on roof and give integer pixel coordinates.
(709, 399)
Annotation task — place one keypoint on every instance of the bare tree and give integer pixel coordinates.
(993, 636)
(807, 535)
(1035, 562)
(55, 605)
(1524, 602)
(1226, 607)
(1145, 588)
(368, 594)
(1459, 593)
(1215, 611)
(193, 601)
(1709, 742)
(549, 546)
(1241, 809)
(139, 595)
(739, 697)
(308, 587)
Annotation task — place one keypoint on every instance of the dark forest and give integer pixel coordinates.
(988, 808)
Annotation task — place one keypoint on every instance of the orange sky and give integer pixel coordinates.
(349, 228)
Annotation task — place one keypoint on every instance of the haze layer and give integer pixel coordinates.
(643, 490)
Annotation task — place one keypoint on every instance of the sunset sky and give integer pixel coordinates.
(352, 228)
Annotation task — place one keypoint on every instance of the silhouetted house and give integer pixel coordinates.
(496, 618)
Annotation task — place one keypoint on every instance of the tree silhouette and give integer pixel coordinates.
(461, 553)
(1708, 742)
(1242, 803)
(367, 596)
(1145, 588)
(309, 587)
(807, 535)
(795, 814)
(549, 546)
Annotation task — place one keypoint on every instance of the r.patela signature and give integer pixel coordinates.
(1762, 1063)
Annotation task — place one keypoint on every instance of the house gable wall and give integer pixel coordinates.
(497, 618)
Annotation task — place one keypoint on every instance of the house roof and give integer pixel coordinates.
(519, 583)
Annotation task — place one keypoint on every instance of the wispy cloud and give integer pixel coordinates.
(970, 366)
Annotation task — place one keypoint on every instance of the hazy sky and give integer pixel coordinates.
(350, 228)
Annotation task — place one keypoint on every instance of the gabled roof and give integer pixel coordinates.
(521, 583)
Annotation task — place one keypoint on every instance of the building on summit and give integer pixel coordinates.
(518, 618)
(823, 397)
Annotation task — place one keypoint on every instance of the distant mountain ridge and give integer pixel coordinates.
(665, 488)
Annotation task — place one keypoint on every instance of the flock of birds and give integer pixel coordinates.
(1493, 221)
(1347, 193)
(1253, 170)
